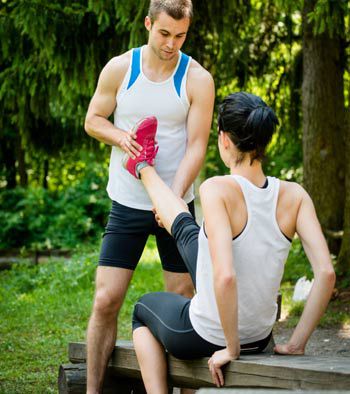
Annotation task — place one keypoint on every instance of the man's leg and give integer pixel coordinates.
(124, 239)
(178, 282)
(111, 287)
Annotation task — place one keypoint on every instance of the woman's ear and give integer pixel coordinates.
(225, 139)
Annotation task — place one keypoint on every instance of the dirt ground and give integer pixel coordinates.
(333, 342)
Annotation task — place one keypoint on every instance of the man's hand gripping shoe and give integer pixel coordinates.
(146, 130)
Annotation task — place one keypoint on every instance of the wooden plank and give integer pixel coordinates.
(260, 371)
(272, 391)
(72, 380)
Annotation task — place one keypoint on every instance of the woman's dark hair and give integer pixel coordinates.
(249, 122)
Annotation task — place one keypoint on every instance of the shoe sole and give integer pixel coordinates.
(142, 123)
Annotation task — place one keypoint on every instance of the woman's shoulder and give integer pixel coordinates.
(219, 183)
(291, 193)
(222, 187)
(290, 187)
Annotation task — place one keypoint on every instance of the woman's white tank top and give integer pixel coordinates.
(167, 100)
(259, 254)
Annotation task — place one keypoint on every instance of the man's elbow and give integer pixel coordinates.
(226, 280)
(88, 126)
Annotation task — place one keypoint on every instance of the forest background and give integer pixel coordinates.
(295, 54)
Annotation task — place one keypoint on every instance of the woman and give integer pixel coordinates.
(236, 258)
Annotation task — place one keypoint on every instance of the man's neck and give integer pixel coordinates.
(156, 66)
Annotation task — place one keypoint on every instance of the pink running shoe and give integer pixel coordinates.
(145, 136)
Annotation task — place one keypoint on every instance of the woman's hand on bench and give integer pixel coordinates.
(217, 360)
(288, 349)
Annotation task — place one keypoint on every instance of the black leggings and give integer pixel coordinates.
(167, 314)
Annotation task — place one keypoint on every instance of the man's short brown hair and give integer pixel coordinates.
(177, 9)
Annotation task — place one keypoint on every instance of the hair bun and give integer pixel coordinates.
(259, 127)
(249, 122)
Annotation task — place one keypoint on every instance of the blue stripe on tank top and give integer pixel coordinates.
(180, 72)
(135, 66)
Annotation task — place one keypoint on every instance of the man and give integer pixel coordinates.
(161, 81)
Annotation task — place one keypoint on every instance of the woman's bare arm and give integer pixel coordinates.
(316, 249)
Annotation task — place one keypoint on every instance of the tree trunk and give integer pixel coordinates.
(46, 174)
(323, 125)
(9, 159)
(23, 176)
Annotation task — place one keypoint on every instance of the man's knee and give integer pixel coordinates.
(185, 289)
(107, 304)
(180, 284)
(111, 287)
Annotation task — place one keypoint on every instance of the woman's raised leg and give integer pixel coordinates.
(167, 205)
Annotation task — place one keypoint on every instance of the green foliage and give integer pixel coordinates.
(296, 267)
(297, 264)
(253, 46)
(76, 212)
(264, 58)
(50, 67)
(328, 15)
(49, 90)
(335, 315)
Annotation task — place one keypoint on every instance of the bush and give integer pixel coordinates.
(297, 264)
(36, 218)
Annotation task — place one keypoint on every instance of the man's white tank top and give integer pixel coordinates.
(167, 100)
(259, 254)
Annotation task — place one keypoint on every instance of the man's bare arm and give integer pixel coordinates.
(103, 104)
(201, 94)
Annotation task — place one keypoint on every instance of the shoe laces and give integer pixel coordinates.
(150, 150)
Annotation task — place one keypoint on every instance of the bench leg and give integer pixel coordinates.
(72, 380)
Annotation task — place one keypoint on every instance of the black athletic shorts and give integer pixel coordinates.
(167, 314)
(126, 234)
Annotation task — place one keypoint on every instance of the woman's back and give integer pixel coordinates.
(259, 247)
(288, 203)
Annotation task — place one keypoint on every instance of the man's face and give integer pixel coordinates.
(166, 35)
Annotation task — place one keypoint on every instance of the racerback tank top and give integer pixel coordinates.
(167, 100)
(259, 254)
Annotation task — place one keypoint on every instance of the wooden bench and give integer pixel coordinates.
(251, 371)
(271, 391)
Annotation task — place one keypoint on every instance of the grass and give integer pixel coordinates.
(297, 266)
(336, 315)
(44, 307)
